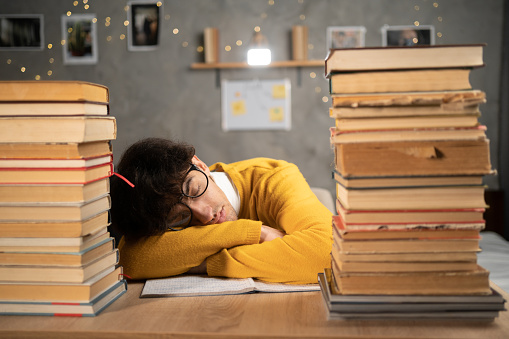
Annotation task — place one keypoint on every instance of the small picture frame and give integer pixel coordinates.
(408, 35)
(345, 37)
(22, 32)
(79, 34)
(144, 24)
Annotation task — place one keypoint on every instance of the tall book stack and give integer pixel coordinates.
(56, 254)
(410, 156)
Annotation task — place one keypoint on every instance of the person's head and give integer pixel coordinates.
(169, 181)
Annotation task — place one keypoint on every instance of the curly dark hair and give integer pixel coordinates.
(157, 168)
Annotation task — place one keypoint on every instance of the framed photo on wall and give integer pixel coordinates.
(80, 35)
(143, 30)
(345, 36)
(21, 32)
(408, 35)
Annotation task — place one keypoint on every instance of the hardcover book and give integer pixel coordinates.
(474, 282)
(71, 129)
(21, 91)
(403, 57)
(343, 306)
(400, 81)
(413, 158)
(73, 309)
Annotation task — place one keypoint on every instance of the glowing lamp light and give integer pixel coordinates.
(258, 54)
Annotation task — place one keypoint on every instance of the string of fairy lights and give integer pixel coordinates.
(81, 6)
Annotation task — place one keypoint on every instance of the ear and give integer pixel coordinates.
(200, 164)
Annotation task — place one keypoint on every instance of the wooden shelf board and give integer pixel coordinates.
(288, 63)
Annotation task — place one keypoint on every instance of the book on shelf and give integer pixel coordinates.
(53, 211)
(55, 229)
(46, 241)
(23, 91)
(54, 245)
(404, 111)
(463, 98)
(77, 274)
(424, 245)
(414, 230)
(74, 175)
(41, 108)
(54, 192)
(410, 216)
(404, 57)
(335, 296)
(413, 283)
(197, 285)
(61, 292)
(339, 304)
(486, 316)
(346, 263)
(57, 129)
(408, 134)
(466, 256)
(55, 163)
(73, 309)
(405, 123)
(401, 198)
(64, 150)
(413, 158)
(423, 266)
(58, 259)
(408, 181)
(447, 79)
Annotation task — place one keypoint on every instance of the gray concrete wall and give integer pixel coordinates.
(155, 93)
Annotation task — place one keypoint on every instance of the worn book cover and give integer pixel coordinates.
(413, 283)
(405, 158)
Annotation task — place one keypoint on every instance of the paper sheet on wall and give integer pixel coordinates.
(256, 105)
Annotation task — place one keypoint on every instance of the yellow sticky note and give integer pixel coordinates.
(279, 91)
(238, 107)
(276, 114)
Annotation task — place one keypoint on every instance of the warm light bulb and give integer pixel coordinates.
(258, 56)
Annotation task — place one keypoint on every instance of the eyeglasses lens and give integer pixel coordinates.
(194, 186)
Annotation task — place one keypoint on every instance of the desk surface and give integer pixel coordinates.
(266, 315)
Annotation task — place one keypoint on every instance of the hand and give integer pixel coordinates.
(269, 233)
(200, 269)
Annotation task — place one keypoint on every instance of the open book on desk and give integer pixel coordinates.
(199, 285)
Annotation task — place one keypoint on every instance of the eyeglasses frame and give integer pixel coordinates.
(183, 195)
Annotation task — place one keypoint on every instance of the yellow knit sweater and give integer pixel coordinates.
(272, 193)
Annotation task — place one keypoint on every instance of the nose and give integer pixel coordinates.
(202, 212)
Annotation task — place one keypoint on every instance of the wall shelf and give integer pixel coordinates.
(243, 65)
(274, 64)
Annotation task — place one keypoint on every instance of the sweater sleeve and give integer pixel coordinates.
(284, 201)
(175, 253)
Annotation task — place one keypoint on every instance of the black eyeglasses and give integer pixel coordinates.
(195, 184)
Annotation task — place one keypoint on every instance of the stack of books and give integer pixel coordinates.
(56, 254)
(410, 156)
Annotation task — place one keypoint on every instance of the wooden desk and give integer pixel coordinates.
(239, 316)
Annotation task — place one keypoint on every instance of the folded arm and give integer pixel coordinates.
(291, 206)
(175, 253)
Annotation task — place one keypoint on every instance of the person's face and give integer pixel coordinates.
(213, 207)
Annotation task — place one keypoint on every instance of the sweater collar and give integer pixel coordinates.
(225, 183)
